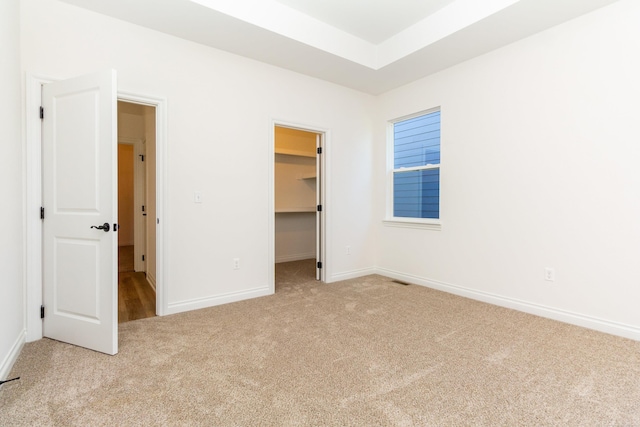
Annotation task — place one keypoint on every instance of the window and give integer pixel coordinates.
(415, 174)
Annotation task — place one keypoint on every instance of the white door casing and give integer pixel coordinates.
(79, 165)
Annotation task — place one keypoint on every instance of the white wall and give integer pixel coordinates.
(540, 168)
(125, 195)
(11, 189)
(131, 123)
(295, 237)
(221, 109)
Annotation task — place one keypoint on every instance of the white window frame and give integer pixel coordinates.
(404, 222)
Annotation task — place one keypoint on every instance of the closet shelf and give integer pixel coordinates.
(295, 152)
(296, 210)
(307, 177)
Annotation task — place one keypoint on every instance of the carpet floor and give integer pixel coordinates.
(362, 352)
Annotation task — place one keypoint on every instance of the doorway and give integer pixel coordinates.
(136, 254)
(35, 271)
(298, 205)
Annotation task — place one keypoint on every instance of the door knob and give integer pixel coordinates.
(104, 227)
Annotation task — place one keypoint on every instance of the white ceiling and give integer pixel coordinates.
(371, 20)
(369, 45)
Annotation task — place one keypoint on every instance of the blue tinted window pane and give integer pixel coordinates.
(416, 194)
(416, 141)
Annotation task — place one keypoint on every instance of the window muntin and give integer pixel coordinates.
(416, 167)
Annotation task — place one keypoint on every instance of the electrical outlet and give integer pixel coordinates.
(236, 263)
(549, 274)
(348, 250)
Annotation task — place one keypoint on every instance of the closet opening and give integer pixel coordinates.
(298, 205)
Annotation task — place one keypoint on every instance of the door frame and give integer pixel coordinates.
(33, 200)
(323, 187)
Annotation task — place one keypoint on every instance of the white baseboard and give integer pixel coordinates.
(151, 281)
(589, 322)
(351, 274)
(198, 303)
(295, 257)
(11, 358)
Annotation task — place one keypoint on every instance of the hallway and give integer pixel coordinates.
(136, 298)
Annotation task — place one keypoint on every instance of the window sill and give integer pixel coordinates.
(434, 225)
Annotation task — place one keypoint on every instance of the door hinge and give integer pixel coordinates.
(142, 208)
(143, 257)
(319, 208)
(42, 311)
(319, 264)
(41, 213)
(41, 113)
(141, 157)
(319, 151)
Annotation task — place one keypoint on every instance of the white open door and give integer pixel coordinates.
(319, 207)
(79, 164)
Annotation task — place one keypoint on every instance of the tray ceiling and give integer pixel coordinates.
(369, 45)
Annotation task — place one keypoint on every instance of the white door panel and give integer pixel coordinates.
(80, 191)
(69, 300)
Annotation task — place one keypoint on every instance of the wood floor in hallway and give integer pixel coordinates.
(136, 298)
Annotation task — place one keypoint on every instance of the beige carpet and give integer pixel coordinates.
(364, 352)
